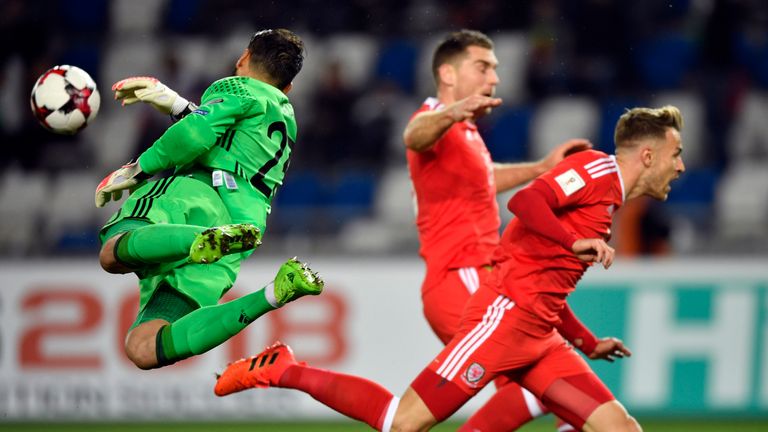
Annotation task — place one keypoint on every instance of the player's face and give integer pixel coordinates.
(668, 165)
(476, 74)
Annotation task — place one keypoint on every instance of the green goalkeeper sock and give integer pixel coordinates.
(209, 327)
(157, 243)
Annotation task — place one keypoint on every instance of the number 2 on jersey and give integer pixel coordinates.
(258, 179)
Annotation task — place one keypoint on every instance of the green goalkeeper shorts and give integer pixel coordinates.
(177, 200)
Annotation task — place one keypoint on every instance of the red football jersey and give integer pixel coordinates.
(589, 190)
(456, 211)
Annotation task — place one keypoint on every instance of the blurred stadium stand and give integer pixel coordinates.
(565, 72)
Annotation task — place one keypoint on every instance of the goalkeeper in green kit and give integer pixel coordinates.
(185, 235)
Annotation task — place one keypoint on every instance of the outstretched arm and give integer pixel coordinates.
(426, 128)
(223, 105)
(151, 91)
(509, 175)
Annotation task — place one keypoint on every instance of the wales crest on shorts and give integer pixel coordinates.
(474, 373)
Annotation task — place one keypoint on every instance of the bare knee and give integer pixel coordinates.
(611, 416)
(107, 258)
(141, 344)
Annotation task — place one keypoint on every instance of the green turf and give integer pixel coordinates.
(538, 426)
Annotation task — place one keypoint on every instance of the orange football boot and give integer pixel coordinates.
(260, 371)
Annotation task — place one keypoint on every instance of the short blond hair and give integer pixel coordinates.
(639, 123)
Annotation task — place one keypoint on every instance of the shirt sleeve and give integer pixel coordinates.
(575, 332)
(533, 206)
(196, 133)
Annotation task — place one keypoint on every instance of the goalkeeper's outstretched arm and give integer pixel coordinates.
(184, 141)
(151, 91)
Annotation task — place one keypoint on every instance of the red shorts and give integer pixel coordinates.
(496, 338)
(445, 300)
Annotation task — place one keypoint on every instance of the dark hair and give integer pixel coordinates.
(639, 123)
(278, 53)
(456, 44)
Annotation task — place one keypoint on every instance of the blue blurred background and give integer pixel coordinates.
(568, 69)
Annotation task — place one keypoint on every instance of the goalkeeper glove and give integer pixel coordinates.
(151, 91)
(128, 176)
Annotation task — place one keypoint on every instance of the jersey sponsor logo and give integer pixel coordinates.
(200, 111)
(570, 182)
(474, 373)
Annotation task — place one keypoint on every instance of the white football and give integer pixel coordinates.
(65, 99)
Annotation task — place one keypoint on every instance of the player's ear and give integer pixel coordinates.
(243, 61)
(646, 155)
(447, 74)
(287, 88)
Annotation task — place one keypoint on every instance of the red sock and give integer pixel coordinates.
(506, 410)
(352, 396)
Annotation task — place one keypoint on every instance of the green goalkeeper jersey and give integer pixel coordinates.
(242, 134)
